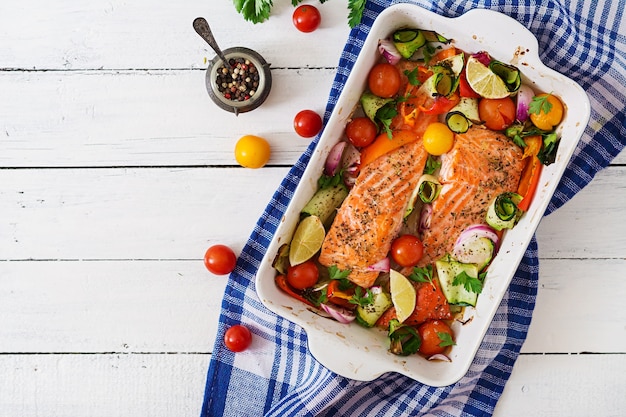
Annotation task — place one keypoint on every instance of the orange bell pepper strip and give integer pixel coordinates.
(531, 172)
(281, 282)
(383, 145)
(339, 297)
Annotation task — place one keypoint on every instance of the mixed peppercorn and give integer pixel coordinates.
(240, 83)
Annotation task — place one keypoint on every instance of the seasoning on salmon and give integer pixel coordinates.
(481, 165)
(371, 216)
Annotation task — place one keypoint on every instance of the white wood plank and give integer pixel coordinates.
(117, 34)
(96, 207)
(173, 306)
(579, 307)
(109, 385)
(173, 385)
(565, 385)
(591, 224)
(108, 306)
(130, 213)
(132, 118)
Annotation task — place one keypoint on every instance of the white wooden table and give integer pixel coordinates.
(117, 172)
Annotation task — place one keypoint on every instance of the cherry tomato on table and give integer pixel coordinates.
(303, 275)
(361, 131)
(433, 334)
(220, 259)
(237, 338)
(407, 250)
(384, 80)
(497, 113)
(307, 123)
(306, 18)
(252, 151)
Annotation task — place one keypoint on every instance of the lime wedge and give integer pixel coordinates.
(403, 295)
(307, 240)
(484, 81)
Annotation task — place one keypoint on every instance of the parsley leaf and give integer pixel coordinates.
(540, 104)
(446, 339)
(362, 299)
(424, 274)
(412, 76)
(432, 165)
(326, 181)
(336, 273)
(255, 11)
(356, 8)
(385, 115)
(471, 284)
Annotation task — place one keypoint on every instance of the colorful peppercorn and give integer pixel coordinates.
(239, 84)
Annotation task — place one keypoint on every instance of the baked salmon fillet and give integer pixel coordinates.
(372, 213)
(481, 165)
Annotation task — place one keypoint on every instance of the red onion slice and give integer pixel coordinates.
(483, 58)
(426, 215)
(342, 315)
(333, 160)
(525, 95)
(476, 231)
(389, 51)
(439, 357)
(381, 266)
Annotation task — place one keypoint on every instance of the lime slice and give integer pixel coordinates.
(403, 295)
(484, 81)
(307, 240)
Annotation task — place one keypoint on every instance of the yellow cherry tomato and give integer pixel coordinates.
(547, 120)
(438, 138)
(252, 151)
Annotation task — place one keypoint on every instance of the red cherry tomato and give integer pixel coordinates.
(384, 80)
(220, 259)
(407, 250)
(497, 113)
(361, 131)
(237, 338)
(303, 275)
(306, 18)
(430, 332)
(307, 123)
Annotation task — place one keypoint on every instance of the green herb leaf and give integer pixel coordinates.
(255, 11)
(326, 181)
(432, 165)
(404, 340)
(424, 274)
(547, 154)
(446, 339)
(336, 273)
(385, 115)
(356, 8)
(362, 299)
(539, 104)
(471, 284)
(412, 76)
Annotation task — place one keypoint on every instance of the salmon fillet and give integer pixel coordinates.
(481, 165)
(371, 215)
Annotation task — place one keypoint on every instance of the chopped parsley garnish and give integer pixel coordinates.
(446, 339)
(432, 165)
(362, 299)
(424, 274)
(412, 76)
(471, 284)
(540, 104)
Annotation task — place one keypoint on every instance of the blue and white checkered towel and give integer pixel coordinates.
(277, 376)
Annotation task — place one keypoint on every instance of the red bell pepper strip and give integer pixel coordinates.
(281, 282)
(441, 105)
(464, 88)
